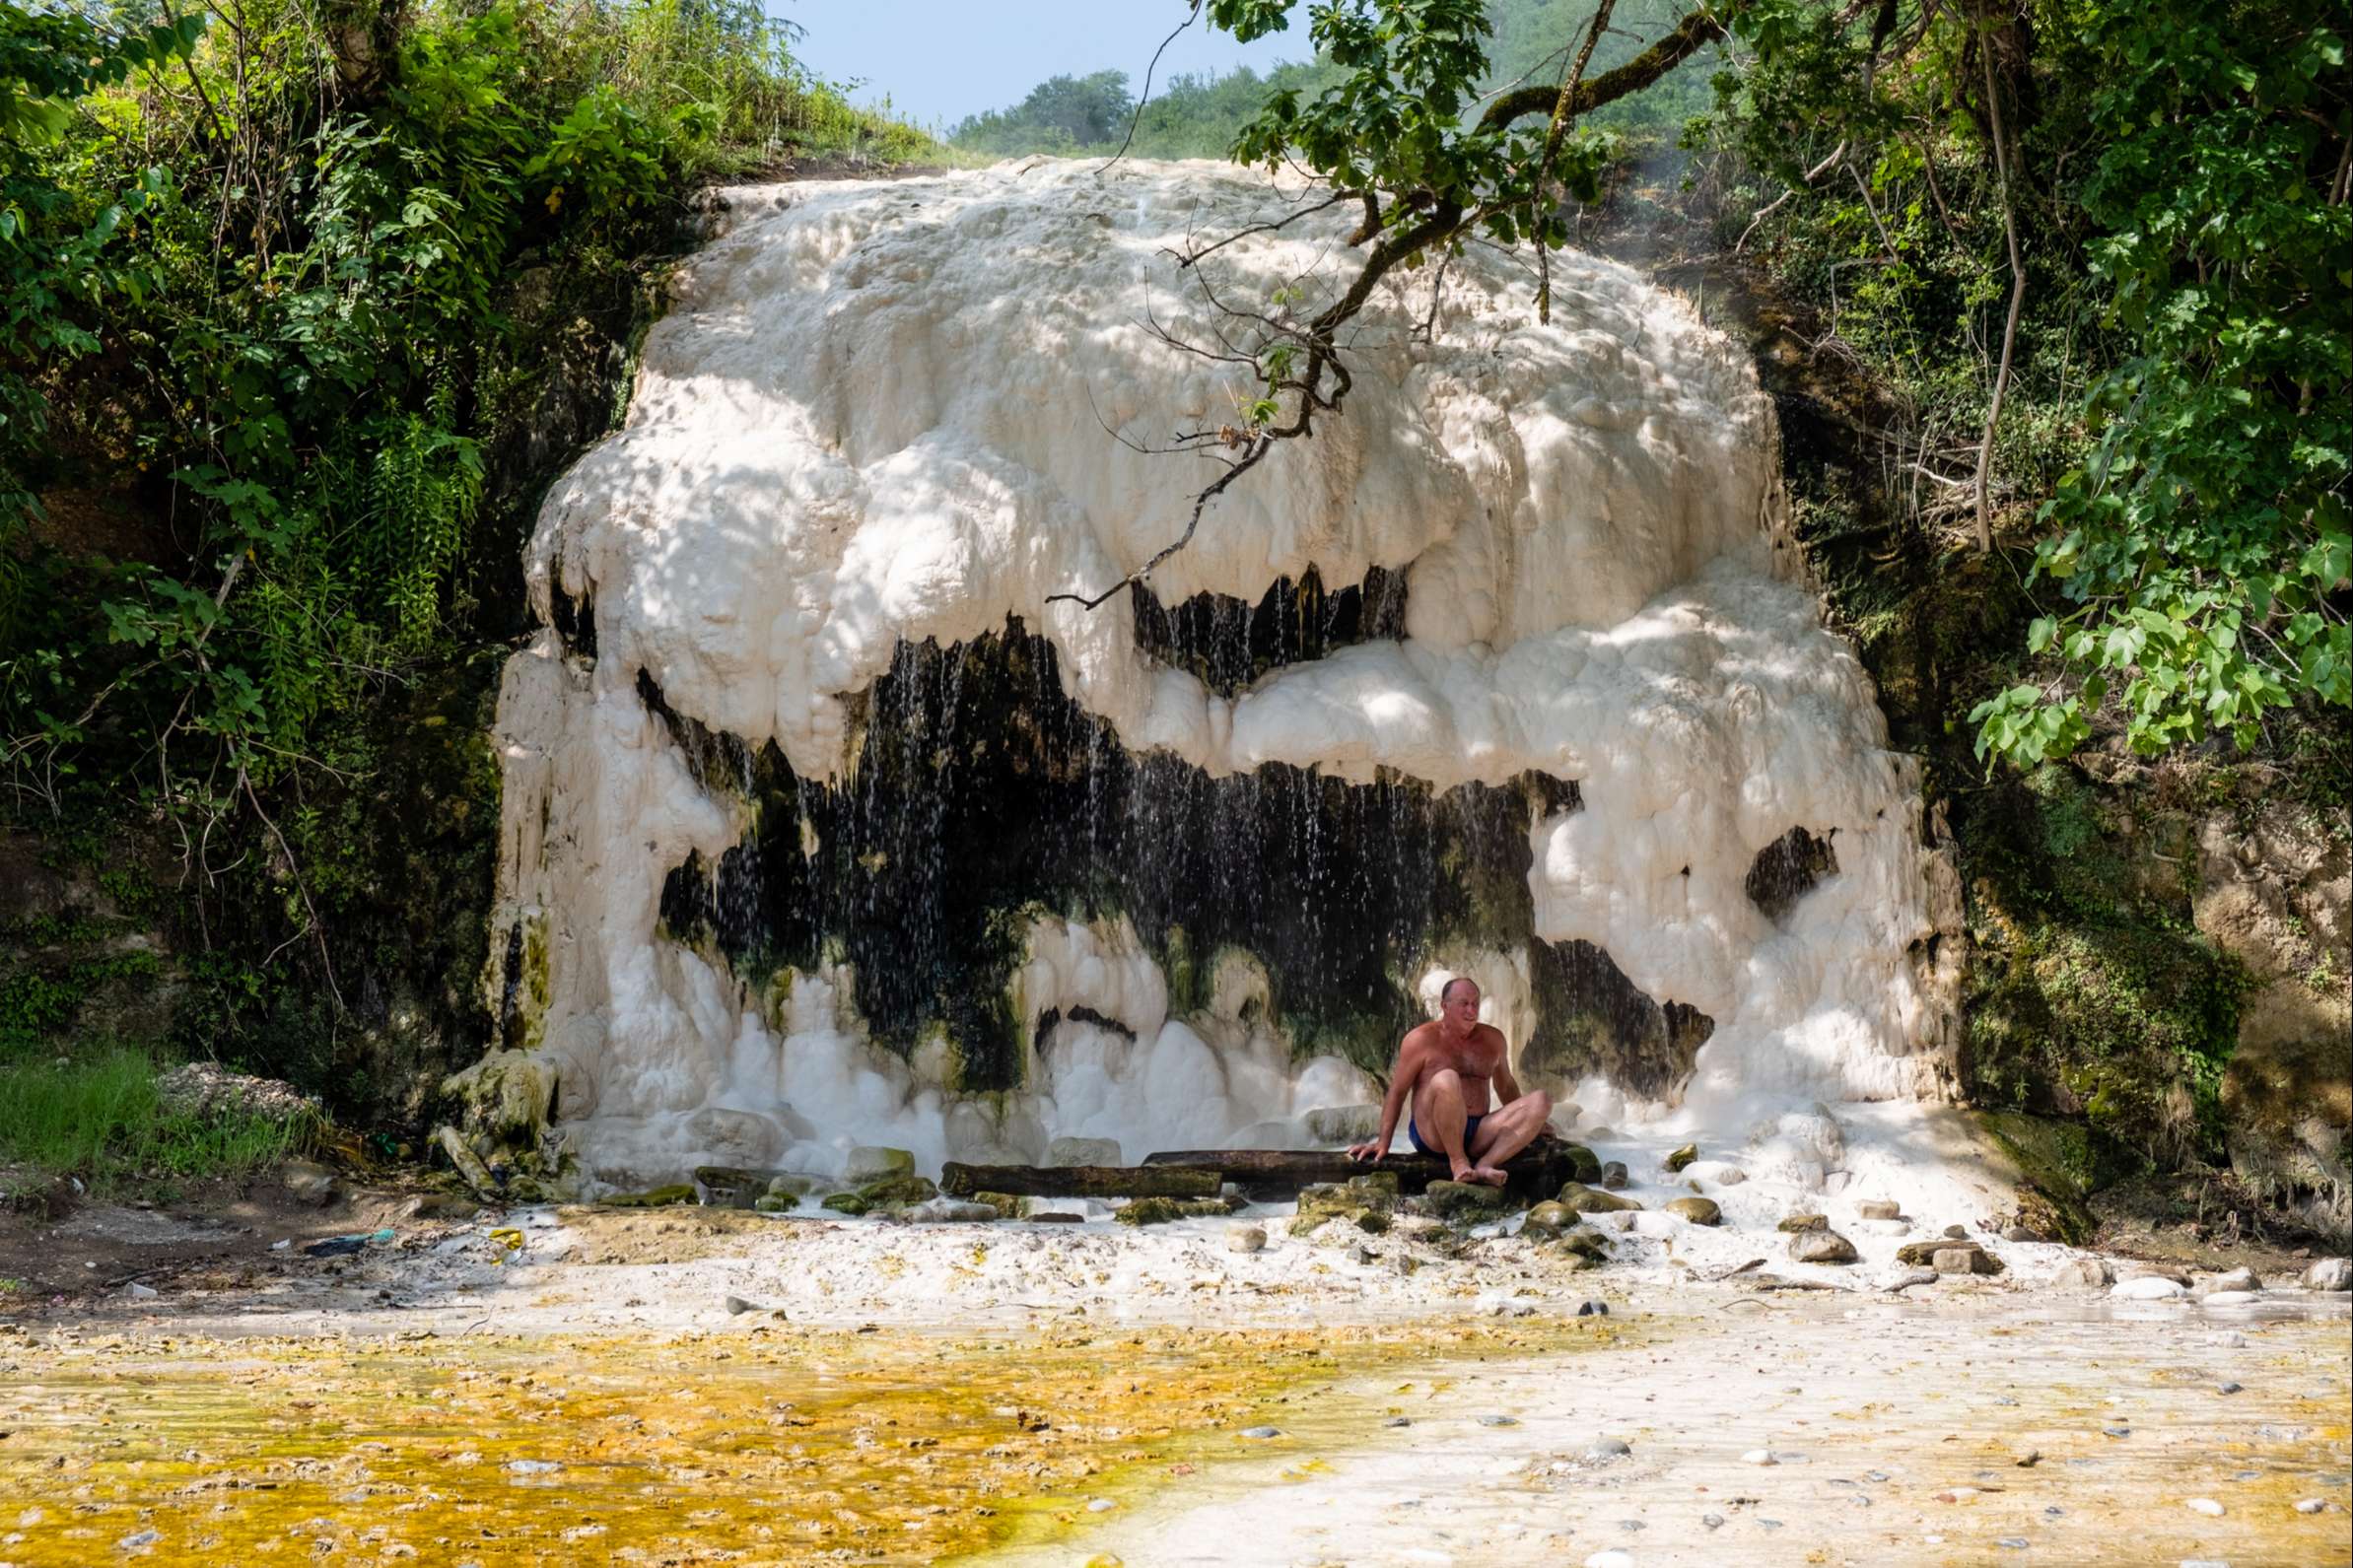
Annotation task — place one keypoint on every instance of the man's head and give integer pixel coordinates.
(1458, 1003)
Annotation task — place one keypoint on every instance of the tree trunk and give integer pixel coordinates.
(1536, 1170)
(2001, 376)
(958, 1179)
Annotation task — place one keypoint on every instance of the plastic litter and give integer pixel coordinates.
(345, 1245)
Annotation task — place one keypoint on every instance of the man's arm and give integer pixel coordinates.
(1506, 1087)
(1401, 1074)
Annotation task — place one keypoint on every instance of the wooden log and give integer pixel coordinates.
(958, 1179)
(1536, 1172)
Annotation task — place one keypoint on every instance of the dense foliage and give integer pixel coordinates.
(283, 310)
(2169, 177)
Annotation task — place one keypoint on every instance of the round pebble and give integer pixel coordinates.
(2228, 1388)
(2013, 1543)
(2311, 1505)
(1613, 1558)
(1716, 1520)
(1261, 1431)
(2206, 1506)
(1759, 1456)
(1609, 1447)
(2115, 1431)
(1498, 1420)
(1398, 1420)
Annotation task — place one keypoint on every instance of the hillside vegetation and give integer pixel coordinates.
(299, 306)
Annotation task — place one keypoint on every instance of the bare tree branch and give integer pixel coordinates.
(1136, 118)
(2001, 379)
(1688, 38)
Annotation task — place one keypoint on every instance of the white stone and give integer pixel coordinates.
(2148, 1287)
(2206, 1506)
(2330, 1273)
(2088, 1274)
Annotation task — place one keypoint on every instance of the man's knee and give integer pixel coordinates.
(1445, 1083)
(1540, 1104)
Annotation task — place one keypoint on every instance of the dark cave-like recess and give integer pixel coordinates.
(1592, 1019)
(1228, 643)
(982, 794)
(1786, 870)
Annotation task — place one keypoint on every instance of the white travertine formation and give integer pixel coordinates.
(900, 410)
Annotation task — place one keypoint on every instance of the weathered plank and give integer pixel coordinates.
(1536, 1170)
(958, 1179)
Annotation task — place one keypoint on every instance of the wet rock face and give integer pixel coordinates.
(1226, 642)
(1592, 1019)
(982, 790)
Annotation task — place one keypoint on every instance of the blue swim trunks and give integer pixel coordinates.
(1470, 1131)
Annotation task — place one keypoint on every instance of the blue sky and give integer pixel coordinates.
(939, 61)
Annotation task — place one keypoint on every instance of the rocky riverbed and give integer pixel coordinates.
(696, 1384)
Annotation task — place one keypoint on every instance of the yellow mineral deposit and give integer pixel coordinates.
(771, 1445)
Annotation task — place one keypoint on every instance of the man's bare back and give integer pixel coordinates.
(1450, 1067)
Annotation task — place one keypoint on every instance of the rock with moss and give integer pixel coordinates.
(845, 1203)
(1593, 1201)
(775, 1204)
(1457, 1201)
(789, 1186)
(869, 1163)
(729, 1186)
(1162, 1210)
(1585, 1242)
(1549, 1219)
(506, 1096)
(1797, 1224)
(888, 1191)
(1361, 1202)
(1699, 1210)
(652, 1197)
(2061, 1163)
(1949, 1257)
(1006, 1204)
(1584, 1164)
(1683, 1157)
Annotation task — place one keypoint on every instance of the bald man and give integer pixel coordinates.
(1450, 1066)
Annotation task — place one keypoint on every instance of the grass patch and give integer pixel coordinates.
(103, 1119)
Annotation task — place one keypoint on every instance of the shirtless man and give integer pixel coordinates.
(1447, 1066)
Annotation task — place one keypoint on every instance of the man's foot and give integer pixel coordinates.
(1486, 1176)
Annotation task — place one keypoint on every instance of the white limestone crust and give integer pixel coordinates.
(887, 410)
